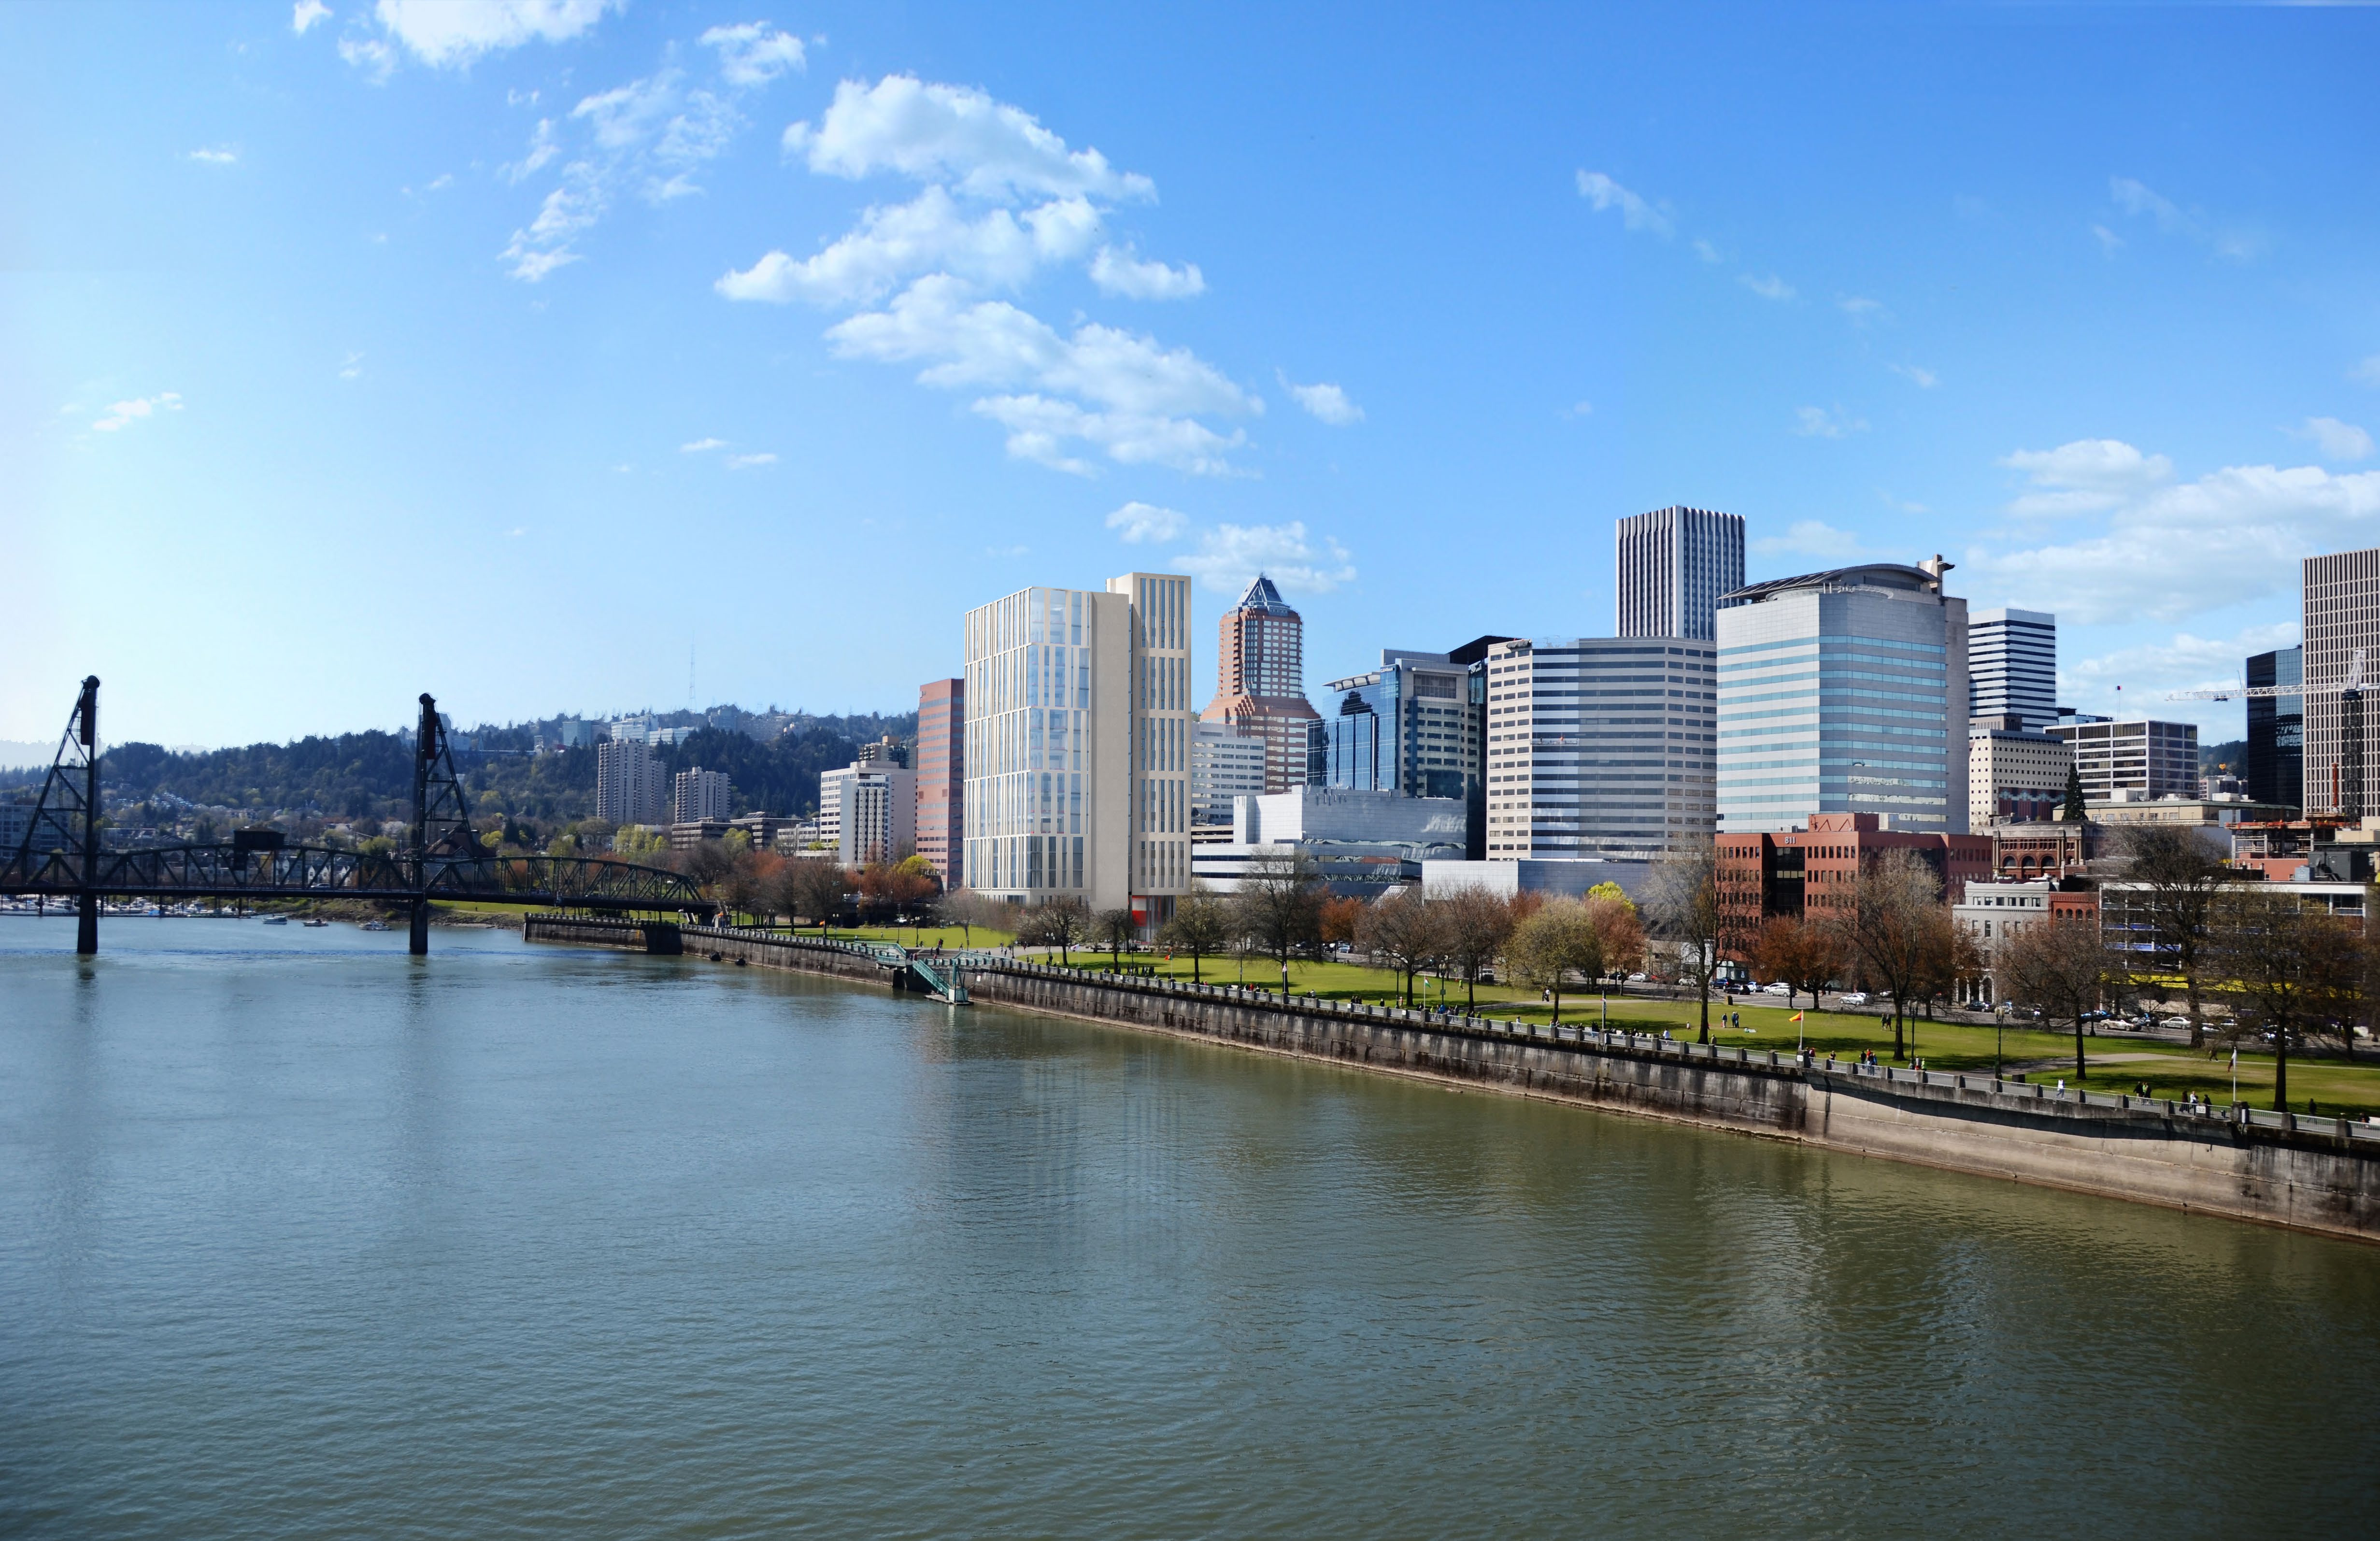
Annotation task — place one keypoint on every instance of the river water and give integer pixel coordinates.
(302, 1237)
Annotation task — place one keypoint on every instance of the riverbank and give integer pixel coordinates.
(2311, 1174)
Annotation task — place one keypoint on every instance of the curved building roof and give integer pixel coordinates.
(1872, 575)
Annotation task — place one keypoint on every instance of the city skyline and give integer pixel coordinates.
(344, 306)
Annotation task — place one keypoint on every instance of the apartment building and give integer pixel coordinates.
(941, 773)
(700, 797)
(630, 786)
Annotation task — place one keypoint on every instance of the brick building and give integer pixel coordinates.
(941, 773)
(1808, 873)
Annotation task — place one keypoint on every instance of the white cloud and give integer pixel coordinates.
(2109, 242)
(927, 235)
(221, 156)
(1924, 379)
(351, 367)
(1326, 402)
(1706, 251)
(753, 53)
(1139, 522)
(1811, 538)
(745, 462)
(375, 58)
(648, 139)
(2169, 550)
(930, 133)
(306, 13)
(453, 32)
(1860, 308)
(123, 414)
(1817, 423)
(1579, 409)
(702, 446)
(2368, 371)
(1143, 395)
(1229, 556)
(1122, 272)
(1770, 288)
(2188, 663)
(2337, 441)
(1635, 214)
(2141, 202)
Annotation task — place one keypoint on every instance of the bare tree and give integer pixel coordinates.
(1063, 923)
(1891, 927)
(1116, 927)
(1558, 939)
(2060, 967)
(1682, 907)
(1201, 926)
(1406, 931)
(1279, 904)
(1475, 925)
(2181, 880)
(2289, 962)
(812, 888)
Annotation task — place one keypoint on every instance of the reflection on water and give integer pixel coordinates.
(301, 1236)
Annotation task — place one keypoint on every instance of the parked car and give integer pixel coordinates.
(1638, 979)
(1781, 988)
(1857, 997)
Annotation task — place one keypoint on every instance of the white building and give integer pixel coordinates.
(1226, 762)
(1844, 692)
(1991, 913)
(2133, 759)
(867, 811)
(1674, 564)
(629, 785)
(701, 796)
(1362, 843)
(1575, 880)
(2013, 777)
(1078, 746)
(1599, 746)
(2012, 667)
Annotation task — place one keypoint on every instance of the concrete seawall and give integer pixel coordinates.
(2315, 1174)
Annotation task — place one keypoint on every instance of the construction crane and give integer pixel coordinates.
(2352, 685)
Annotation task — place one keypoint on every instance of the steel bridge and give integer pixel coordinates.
(61, 854)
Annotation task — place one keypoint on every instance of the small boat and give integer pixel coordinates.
(317, 920)
(276, 920)
(375, 925)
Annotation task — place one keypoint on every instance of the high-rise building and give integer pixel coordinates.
(1408, 726)
(2131, 759)
(1674, 564)
(2276, 729)
(700, 797)
(1260, 681)
(2012, 666)
(1078, 778)
(2013, 777)
(629, 786)
(1226, 764)
(941, 773)
(1844, 692)
(1599, 746)
(2340, 625)
(867, 811)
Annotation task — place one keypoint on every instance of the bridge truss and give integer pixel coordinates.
(61, 855)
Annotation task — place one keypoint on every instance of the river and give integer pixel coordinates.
(303, 1237)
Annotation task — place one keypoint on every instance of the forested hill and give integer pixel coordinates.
(370, 775)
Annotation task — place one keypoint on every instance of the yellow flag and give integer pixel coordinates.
(1795, 1017)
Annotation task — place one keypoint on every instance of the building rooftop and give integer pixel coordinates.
(1263, 596)
(1873, 575)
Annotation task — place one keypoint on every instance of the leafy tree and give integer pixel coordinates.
(1560, 938)
(2059, 966)
(1117, 928)
(1339, 917)
(1890, 928)
(1616, 925)
(1681, 902)
(1279, 905)
(1473, 925)
(1407, 931)
(1803, 955)
(1201, 926)
(640, 843)
(1611, 891)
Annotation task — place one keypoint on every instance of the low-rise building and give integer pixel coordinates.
(1227, 762)
(1363, 843)
(2135, 757)
(1993, 914)
(1809, 874)
(2051, 848)
(1565, 879)
(2013, 776)
(2179, 810)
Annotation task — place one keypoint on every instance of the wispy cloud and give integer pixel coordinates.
(449, 34)
(123, 414)
(306, 13)
(1229, 556)
(1811, 538)
(1924, 379)
(1706, 251)
(2233, 243)
(2337, 441)
(2368, 371)
(1121, 272)
(1326, 402)
(1769, 287)
(1140, 522)
(351, 367)
(2109, 242)
(220, 155)
(1860, 309)
(746, 462)
(1818, 422)
(1635, 213)
(700, 446)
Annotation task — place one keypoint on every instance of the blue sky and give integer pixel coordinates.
(512, 351)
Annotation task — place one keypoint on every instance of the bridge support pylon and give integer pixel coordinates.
(417, 943)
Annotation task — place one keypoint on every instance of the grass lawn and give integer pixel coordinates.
(2171, 1069)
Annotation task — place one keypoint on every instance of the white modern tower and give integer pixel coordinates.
(2012, 666)
(1674, 564)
